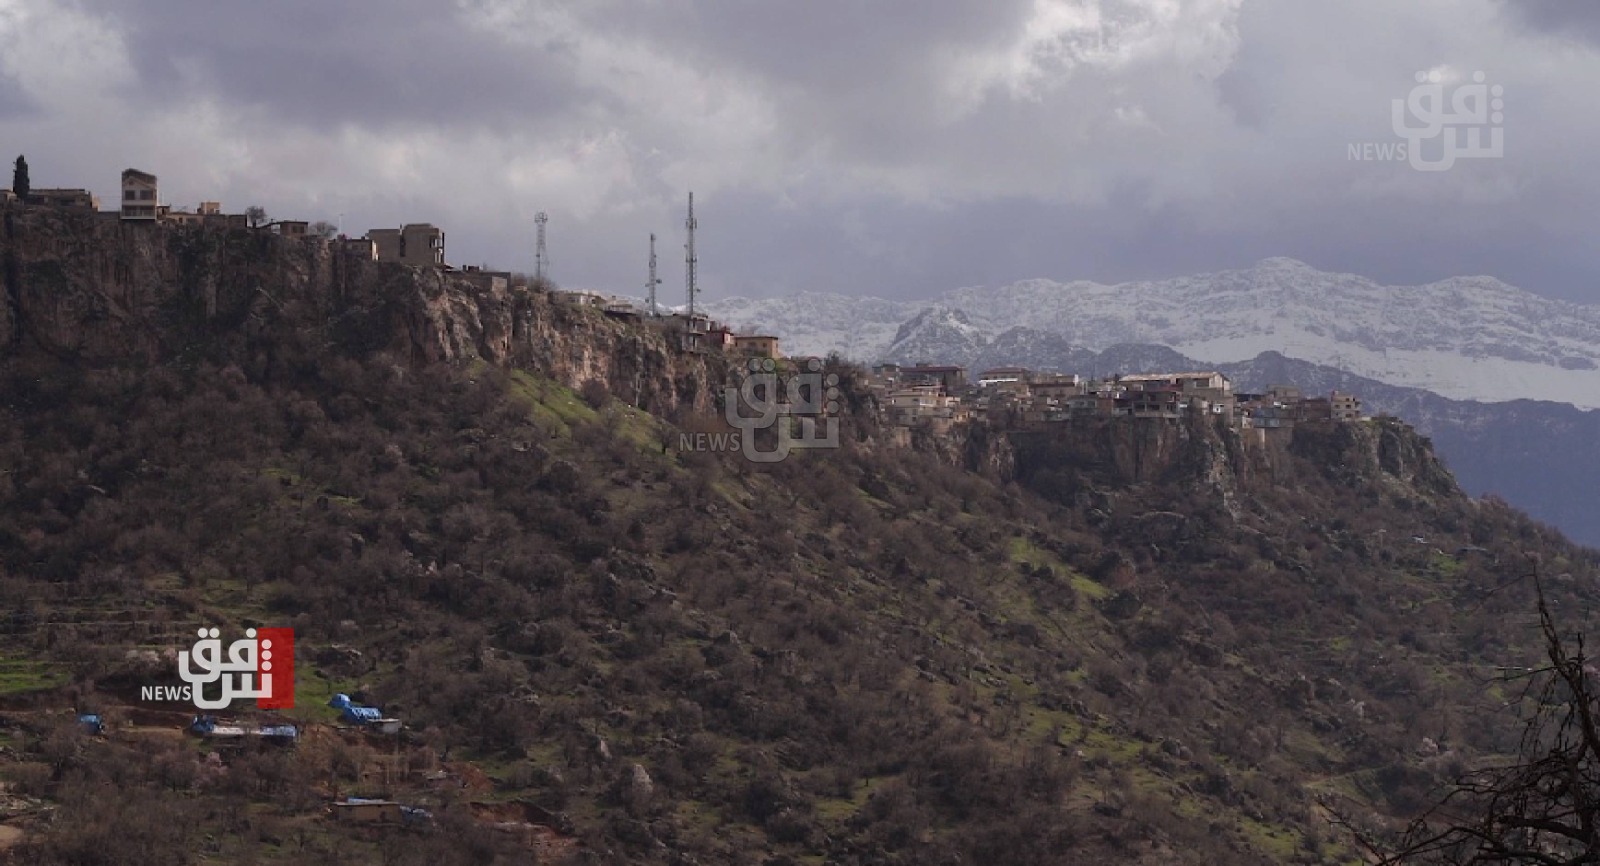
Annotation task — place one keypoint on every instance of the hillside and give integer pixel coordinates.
(1136, 641)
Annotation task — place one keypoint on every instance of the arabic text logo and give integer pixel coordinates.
(1438, 123)
(260, 666)
(781, 404)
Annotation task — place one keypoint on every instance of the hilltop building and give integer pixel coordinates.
(139, 195)
(78, 198)
(412, 244)
(756, 346)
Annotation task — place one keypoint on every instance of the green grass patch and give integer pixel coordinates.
(1279, 843)
(553, 405)
(838, 809)
(25, 676)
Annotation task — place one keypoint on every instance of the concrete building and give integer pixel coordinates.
(358, 248)
(139, 195)
(78, 198)
(419, 244)
(182, 218)
(294, 229)
(756, 346)
(1187, 382)
(1345, 407)
(489, 281)
(952, 378)
(1056, 387)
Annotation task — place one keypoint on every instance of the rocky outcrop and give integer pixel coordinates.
(83, 287)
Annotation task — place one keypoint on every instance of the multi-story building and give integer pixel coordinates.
(139, 195)
(419, 244)
(1345, 407)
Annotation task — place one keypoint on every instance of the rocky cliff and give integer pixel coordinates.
(101, 291)
(1078, 462)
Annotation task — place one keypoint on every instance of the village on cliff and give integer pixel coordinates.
(924, 396)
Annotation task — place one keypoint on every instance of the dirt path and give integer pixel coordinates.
(9, 836)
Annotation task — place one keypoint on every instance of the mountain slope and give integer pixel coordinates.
(1130, 642)
(1464, 337)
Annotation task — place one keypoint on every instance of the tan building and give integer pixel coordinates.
(79, 198)
(924, 405)
(412, 244)
(294, 229)
(1056, 387)
(951, 377)
(1186, 382)
(182, 218)
(1345, 407)
(756, 346)
(139, 195)
(358, 248)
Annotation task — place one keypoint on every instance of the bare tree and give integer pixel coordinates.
(1542, 808)
(257, 215)
(323, 229)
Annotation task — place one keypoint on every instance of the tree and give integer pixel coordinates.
(256, 214)
(19, 179)
(323, 229)
(1542, 808)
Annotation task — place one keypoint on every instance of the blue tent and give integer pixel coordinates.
(91, 723)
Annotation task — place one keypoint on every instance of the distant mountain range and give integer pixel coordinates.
(1468, 338)
(1499, 378)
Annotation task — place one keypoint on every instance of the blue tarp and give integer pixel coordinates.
(362, 715)
(287, 732)
(91, 723)
(354, 713)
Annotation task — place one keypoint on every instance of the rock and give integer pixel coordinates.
(640, 786)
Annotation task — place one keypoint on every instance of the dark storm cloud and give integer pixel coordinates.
(898, 147)
(14, 102)
(313, 62)
(1576, 18)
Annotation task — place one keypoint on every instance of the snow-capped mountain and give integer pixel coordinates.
(1465, 337)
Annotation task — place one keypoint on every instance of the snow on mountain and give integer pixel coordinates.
(817, 323)
(1465, 337)
(938, 334)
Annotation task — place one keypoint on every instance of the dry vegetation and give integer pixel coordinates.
(865, 656)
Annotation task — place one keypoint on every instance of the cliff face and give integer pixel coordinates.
(98, 291)
(1081, 462)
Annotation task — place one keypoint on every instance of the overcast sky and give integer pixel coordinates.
(889, 147)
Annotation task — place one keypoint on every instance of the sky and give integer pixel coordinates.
(898, 148)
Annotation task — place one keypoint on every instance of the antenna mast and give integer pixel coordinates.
(689, 259)
(654, 280)
(541, 259)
